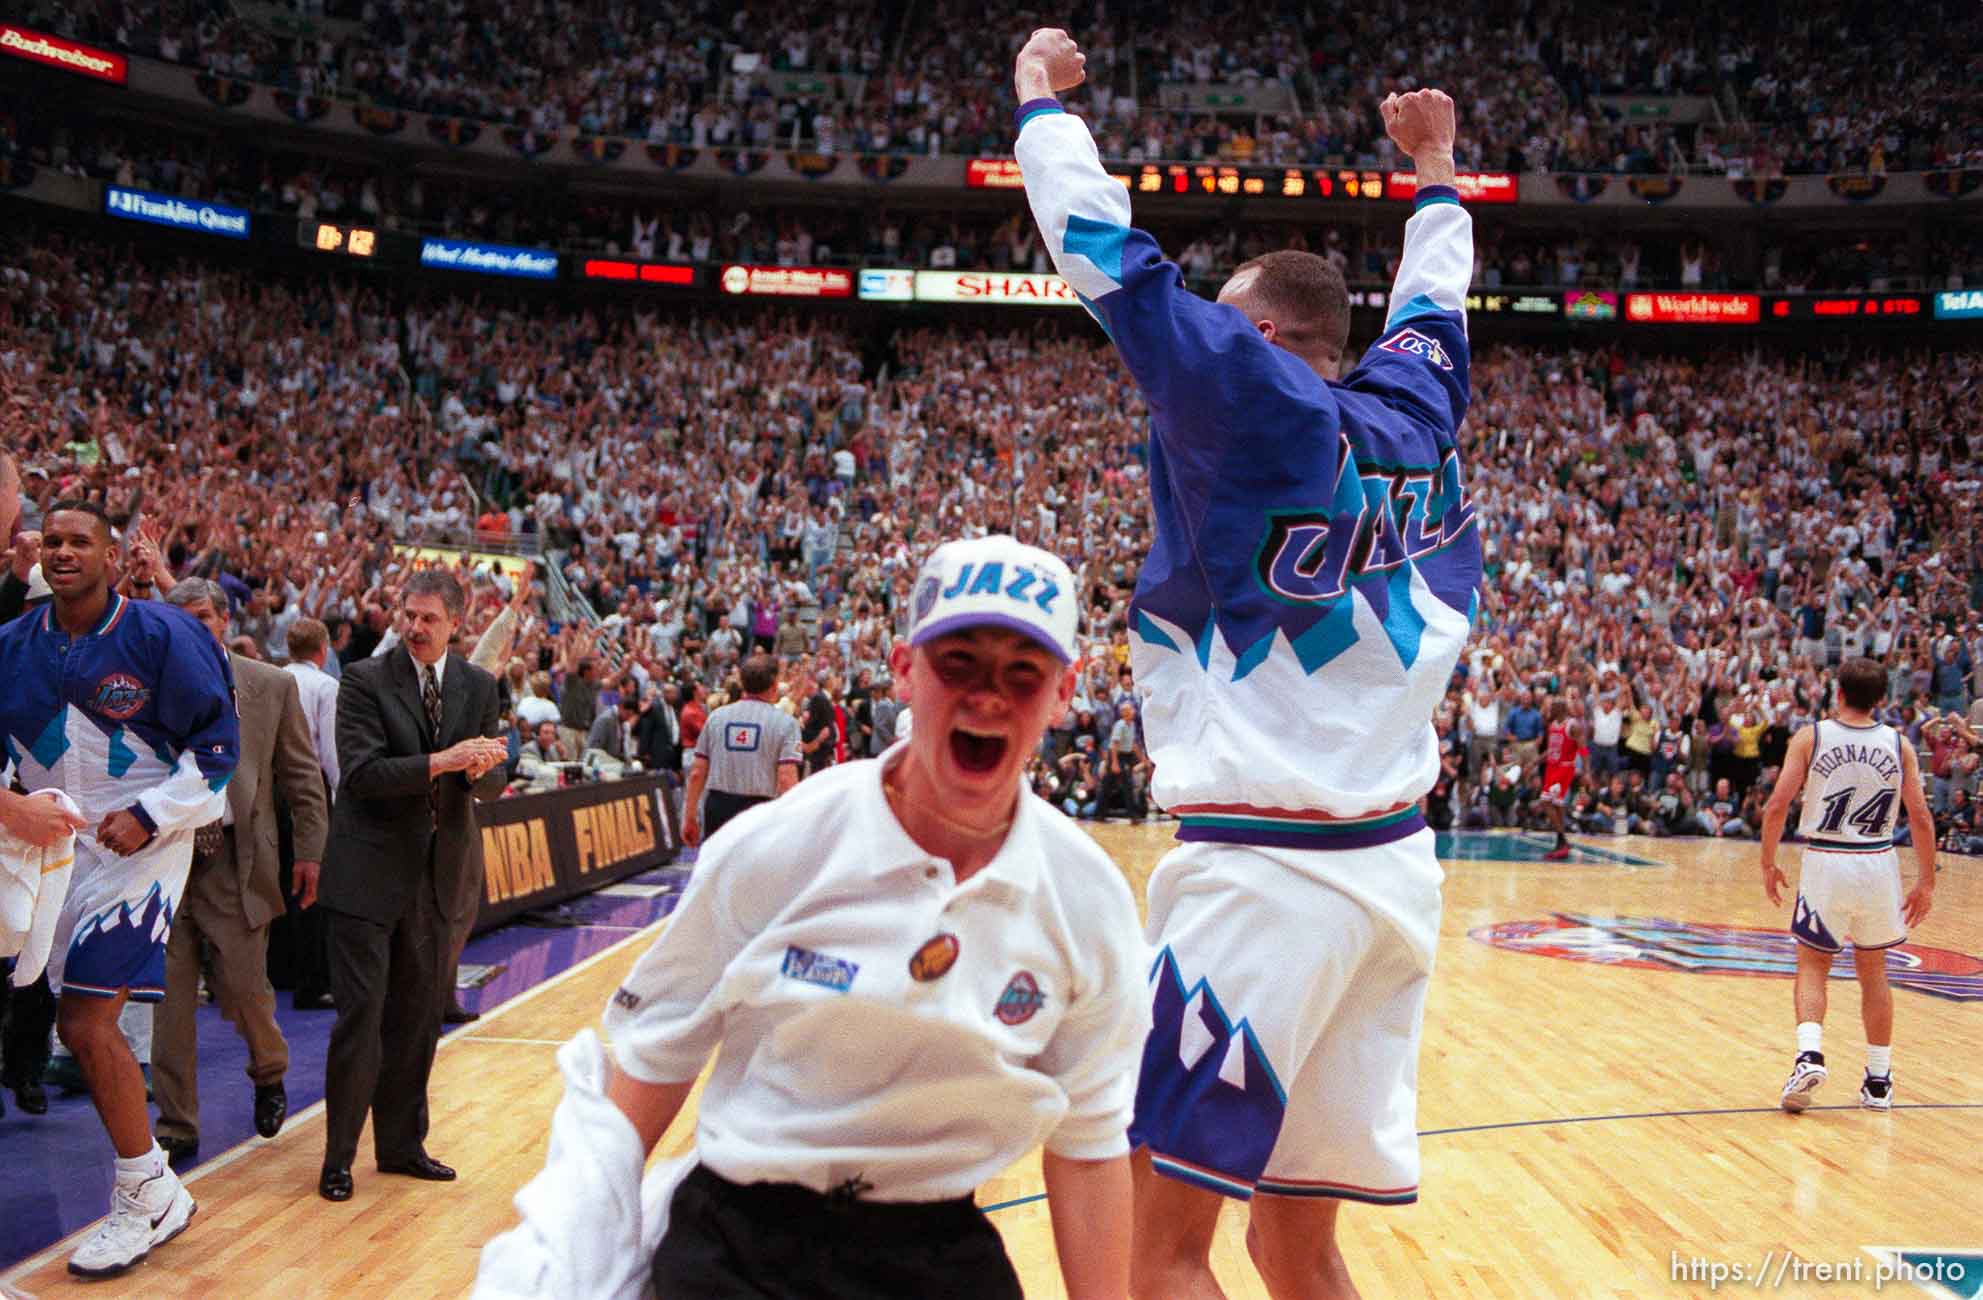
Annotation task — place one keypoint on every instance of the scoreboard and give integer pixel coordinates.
(325, 237)
(1221, 179)
(1346, 184)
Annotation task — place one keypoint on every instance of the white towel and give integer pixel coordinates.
(33, 884)
(584, 1232)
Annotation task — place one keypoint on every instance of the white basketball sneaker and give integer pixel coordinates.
(1805, 1076)
(140, 1218)
(1876, 1092)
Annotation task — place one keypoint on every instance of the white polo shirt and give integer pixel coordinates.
(793, 948)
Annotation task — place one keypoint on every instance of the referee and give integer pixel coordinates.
(748, 752)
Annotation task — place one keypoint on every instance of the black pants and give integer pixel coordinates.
(719, 806)
(297, 939)
(387, 984)
(777, 1241)
(28, 1015)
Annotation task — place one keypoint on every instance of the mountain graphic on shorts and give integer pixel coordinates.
(113, 938)
(1208, 1106)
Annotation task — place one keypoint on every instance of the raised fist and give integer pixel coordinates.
(1420, 122)
(1050, 63)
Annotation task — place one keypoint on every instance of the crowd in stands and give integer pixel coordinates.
(1540, 82)
(1678, 553)
(236, 169)
(1678, 547)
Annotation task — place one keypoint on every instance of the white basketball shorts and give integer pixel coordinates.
(1846, 897)
(1289, 994)
(114, 923)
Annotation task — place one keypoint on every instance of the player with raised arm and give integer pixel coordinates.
(1307, 593)
(1853, 770)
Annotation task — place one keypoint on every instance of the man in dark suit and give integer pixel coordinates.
(659, 738)
(234, 891)
(416, 741)
(612, 731)
(659, 732)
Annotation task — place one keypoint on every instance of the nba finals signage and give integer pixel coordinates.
(1654, 943)
(542, 849)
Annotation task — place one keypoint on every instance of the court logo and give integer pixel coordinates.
(1020, 1000)
(809, 967)
(1655, 943)
(120, 696)
(934, 959)
(1409, 342)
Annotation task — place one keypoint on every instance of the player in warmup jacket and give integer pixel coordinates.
(1307, 593)
(128, 706)
(1856, 774)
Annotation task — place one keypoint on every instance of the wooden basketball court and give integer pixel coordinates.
(1595, 1127)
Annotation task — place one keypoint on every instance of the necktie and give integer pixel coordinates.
(430, 693)
(206, 840)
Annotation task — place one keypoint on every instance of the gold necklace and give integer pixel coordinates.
(896, 800)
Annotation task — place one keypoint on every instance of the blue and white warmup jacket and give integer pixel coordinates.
(1314, 571)
(136, 715)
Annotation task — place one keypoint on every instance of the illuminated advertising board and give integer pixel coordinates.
(1849, 306)
(888, 284)
(1590, 304)
(488, 259)
(1693, 308)
(625, 272)
(994, 288)
(993, 174)
(1499, 303)
(788, 281)
(1474, 187)
(59, 52)
(174, 212)
(1959, 304)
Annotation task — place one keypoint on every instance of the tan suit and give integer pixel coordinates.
(232, 896)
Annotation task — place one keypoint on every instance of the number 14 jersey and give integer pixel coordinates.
(1852, 788)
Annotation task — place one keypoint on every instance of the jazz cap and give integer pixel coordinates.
(997, 581)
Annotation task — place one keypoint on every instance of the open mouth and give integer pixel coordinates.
(976, 751)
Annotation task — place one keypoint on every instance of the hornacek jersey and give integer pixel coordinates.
(1852, 787)
(1315, 564)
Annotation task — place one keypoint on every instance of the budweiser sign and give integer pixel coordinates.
(85, 60)
(1693, 308)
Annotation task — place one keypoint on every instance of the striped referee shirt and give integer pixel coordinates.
(744, 744)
